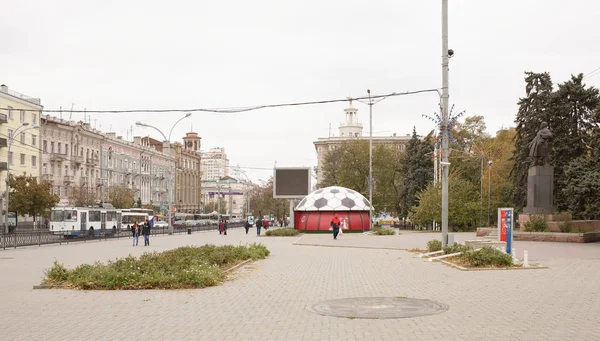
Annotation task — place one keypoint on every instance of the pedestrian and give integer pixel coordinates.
(146, 233)
(259, 224)
(46, 222)
(247, 226)
(221, 226)
(266, 224)
(225, 226)
(335, 225)
(135, 230)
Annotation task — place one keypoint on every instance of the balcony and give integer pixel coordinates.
(56, 157)
(92, 161)
(78, 159)
(48, 177)
(68, 179)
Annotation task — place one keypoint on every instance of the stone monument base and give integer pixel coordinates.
(540, 189)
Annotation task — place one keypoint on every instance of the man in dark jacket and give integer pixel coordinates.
(247, 226)
(146, 233)
(259, 224)
(335, 225)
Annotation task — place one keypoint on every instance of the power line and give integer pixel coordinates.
(230, 110)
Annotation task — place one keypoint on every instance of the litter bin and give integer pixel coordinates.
(189, 230)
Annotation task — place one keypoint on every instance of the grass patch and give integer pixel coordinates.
(381, 231)
(182, 268)
(285, 232)
(456, 247)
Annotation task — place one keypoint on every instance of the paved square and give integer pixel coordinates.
(267, 300)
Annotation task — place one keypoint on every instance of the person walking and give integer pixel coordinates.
(266, 224)
(221, 226)
(247, 226)
(259, 224)
(146, 233)
(225, 226)
(335, 225)
(135, 229)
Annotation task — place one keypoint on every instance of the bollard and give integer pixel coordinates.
(514, 255)
(525, 259)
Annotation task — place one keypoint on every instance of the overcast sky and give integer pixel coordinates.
(133, 54)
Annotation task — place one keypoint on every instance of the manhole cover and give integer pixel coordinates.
(377, 307)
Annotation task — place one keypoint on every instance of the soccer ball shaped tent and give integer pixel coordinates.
(315, 211)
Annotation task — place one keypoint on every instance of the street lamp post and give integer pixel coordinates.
(169, 152)
(218, 203)
(10, 141)
(445, 122)
(489, 190)
(247, 195)
(371, 102)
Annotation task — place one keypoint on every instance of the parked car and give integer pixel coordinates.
(161, 224)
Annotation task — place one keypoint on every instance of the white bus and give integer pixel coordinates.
(80, 221)
(139, 215)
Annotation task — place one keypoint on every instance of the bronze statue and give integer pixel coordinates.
(539, 148)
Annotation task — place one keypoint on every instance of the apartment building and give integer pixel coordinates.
(19, 134)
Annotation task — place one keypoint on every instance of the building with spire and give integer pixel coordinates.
(352, 129)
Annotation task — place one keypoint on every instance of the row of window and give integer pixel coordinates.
(22, 158)
(23, 116)
(23, 137)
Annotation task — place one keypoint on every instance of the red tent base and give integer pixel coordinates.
(320, 220)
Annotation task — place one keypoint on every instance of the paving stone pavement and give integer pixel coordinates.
(266, 300)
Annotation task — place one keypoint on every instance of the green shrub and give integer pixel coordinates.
(184, 267)
(562, 216)
(487, 257)
(381, 231)
(536, 224)
(285, 232)
(456, 247)
(434, 245)
(565, 227)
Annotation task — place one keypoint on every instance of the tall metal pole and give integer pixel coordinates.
(370, 161)
(170, 192)
(445, 122)
(489, 190)
(218, 203)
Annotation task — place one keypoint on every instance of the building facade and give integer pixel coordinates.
(189, 179)
(188, 184)
(352, 129)
(71, 160)
(215, 164)
(234, 194)
(20, 132)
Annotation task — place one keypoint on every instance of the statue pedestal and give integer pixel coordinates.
(540, 189)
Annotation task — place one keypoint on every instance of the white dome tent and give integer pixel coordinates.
(316, 209)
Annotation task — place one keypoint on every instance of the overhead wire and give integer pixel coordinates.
(229, 110)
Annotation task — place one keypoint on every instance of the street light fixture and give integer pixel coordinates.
(10, 141)
(140, 124)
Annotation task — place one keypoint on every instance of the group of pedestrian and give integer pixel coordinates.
(223, 227)
(144, 229)
(260, 223)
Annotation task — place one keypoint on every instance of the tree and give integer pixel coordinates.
(262, 202)
(348, 166)
(82, 196)
(417, 171)
(573, 112)
(533, 110)
(582, 193)
(27, 196)
(121, 197)
(463, 204)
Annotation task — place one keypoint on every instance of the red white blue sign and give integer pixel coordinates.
(505, 227)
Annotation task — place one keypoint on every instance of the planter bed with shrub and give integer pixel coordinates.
(187, 267)
(285, 232)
